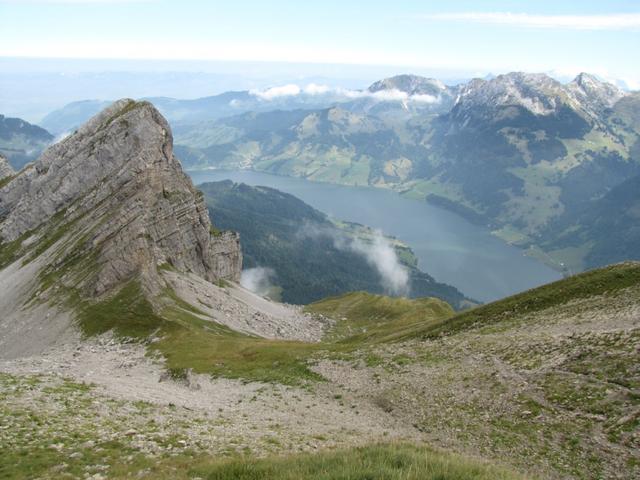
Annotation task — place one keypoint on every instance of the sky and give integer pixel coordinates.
(475, 37)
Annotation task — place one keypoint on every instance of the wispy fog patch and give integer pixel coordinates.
(381, 255)
(259, 280)
(378, 252)
(61, 136)
(313, 89)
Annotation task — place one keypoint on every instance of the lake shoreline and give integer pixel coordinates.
(450, 247)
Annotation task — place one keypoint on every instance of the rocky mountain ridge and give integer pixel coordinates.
(117, 181)
(106, 233)
(539, 94)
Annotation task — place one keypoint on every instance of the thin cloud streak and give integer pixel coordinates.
(616, 21)
(292, 90)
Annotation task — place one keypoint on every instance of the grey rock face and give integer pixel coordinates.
(5, 168)
(596, 94)
(538, 93)
(118, 190)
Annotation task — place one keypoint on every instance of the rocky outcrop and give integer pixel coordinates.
(114, 192)
(593, 93)
(5, 168)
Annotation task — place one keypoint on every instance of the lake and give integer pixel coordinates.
(447, 246)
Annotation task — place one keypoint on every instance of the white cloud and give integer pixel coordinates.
(381, 255)
(398, 95)
(312, 89)
(377, 251)
(289, 90)
(615, 21)
(315, 89)
(259, 280)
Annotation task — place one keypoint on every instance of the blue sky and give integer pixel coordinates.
(565, 37)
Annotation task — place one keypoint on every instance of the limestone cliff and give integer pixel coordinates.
(5, 168)
(114, 191)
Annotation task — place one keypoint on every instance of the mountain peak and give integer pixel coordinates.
(584, 78)
(598, 94)
(537, 92)
(540, 94)
(120, 196)
(410, 84)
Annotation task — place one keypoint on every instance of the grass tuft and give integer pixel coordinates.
(388, 462)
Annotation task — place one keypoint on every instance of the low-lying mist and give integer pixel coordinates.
(261, 281)
(378, 252)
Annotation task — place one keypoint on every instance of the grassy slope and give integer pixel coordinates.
(603, 281)
(572, 397)
(364, 318)
(546, 380)
(186, 341)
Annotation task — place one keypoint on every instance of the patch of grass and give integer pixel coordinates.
(363, 317)
(166, 267)
(237, 356)
(11, 251)
(188, 342)
(6, 180)
(128, 314)
(388, 462)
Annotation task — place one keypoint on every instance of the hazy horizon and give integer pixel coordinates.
(195, 48)
(30, 88)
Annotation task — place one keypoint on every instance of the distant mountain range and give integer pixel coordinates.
(21, 142)
(519, 152)
(409, 91)
(529, 156)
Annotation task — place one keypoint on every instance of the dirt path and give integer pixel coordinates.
(306, 418)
